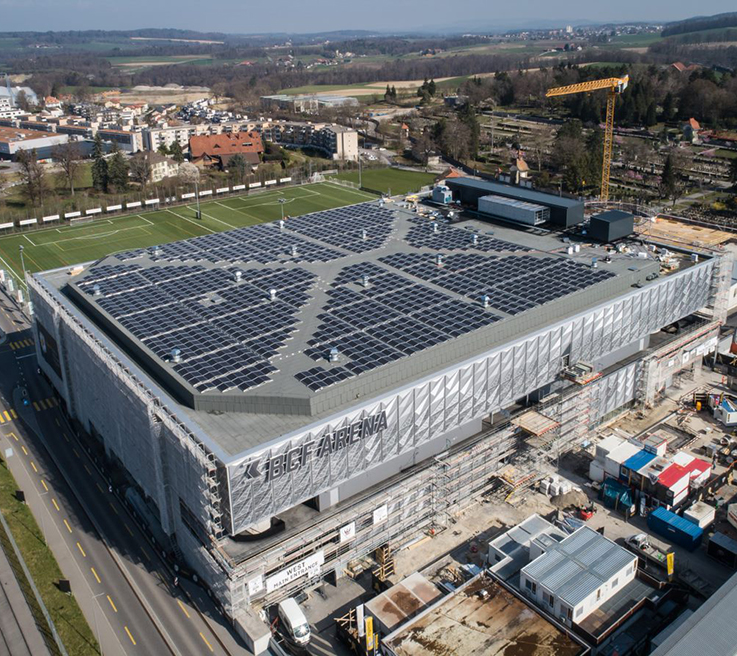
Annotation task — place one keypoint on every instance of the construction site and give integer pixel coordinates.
(401, 377)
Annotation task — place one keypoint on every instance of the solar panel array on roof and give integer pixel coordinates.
(375, 316)
(223, 323)
(512, 284)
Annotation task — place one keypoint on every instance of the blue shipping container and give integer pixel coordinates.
(676, 529)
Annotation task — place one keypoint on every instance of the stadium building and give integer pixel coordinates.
(289, 397)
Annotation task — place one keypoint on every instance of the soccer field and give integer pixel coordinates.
(66, 245)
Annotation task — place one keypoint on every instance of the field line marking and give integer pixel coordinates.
(190, 220)
(29, 240)
(350, 190)
(12, 270)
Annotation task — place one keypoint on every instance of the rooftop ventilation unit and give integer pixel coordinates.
(156, 251)
(281, 224)
(485, 301)
(439, 259)
(175, 355)
(272, 294)
(364, 234)
(475, 240)
(294, 250)
(365, 280)
(334, 355)
(594, 263)
(96, 290)
(434, 226)
(238, 276)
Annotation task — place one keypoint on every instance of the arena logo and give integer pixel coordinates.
(296, 458)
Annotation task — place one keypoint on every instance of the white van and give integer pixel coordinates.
(294, 622)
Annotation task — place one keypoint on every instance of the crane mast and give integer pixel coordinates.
(614, 86)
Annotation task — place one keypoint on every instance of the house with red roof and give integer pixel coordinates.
(219, 149)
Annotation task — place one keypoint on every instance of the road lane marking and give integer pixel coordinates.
(145, 553)
(57, 422)
(97, 578)
(87, 469)
(128, 528)
(181, 605)
(24, 450)
(209, 646)
(33, 464)
(35, 405)
(15, 437)
(113, 507)
(7, 415)
(13, 413)
(46, 487)
(99, 487)
(42, 403)
(65, 437)
(76, 453)
(129, 635)
(56, 505)
(69, 528)
(2, 419)
(79, 546)
(111, 603)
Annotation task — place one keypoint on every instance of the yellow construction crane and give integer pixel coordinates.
(614, 85)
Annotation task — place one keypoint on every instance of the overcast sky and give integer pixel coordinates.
(300, 16)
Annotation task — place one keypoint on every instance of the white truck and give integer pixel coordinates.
(294, 624)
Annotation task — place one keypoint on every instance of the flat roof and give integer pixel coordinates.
(576, 567)
(21, 134)
(481, 618)
(252, 369)
(498, 188)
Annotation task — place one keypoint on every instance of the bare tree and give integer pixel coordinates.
(456, 139)
(69, 158)
(33, 176)
(421, 148)
(140, 169)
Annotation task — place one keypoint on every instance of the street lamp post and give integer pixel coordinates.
(22, 262)
(197, 194)
(43, 522)
(281, 203)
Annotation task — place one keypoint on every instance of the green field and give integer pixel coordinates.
(63, 246)
(634, 40)
(395, 181)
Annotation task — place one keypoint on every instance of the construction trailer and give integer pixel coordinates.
(674, 528)
(511, 209)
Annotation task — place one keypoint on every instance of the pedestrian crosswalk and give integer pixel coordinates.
(45, 404)
(7, 415)
(21, 344)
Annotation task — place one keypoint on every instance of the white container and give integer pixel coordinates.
(554, 489)
(596, 471)
(545, 486)
(701, 514)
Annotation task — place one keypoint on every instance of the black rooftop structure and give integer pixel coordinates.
(564, 212)
(611, 225)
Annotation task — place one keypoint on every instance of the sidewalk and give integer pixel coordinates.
(19, 634)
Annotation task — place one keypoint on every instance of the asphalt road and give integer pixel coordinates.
(125, 590)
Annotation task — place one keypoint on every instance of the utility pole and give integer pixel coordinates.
(197, 194)
(360, 172)
(22, 262)
(281, 203)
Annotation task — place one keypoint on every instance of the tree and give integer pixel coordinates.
(33, 176)
(22, 102)
(163, 150)
(188, 173)
(431, 87)
(651, 116)
(176, 152)
(422, 147)
(117, 170)
(388, 94)
(69, 159)
(467, 115)
(733, 170)
(594, 157)
(456, 138)
(140, 169)
(668, 182)
(100, 174)
(237, 168)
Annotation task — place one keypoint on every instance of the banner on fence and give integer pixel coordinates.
(283, 180)
(5, 226)
(207, 192)
(136, 203)
(113, 208)
(222, 190)
(189, 195)
(51, 217)
(253, 185)
(269, 182)
(152, 201)
(26, 222)
(96, 210)
(72, 215)
(238, 187)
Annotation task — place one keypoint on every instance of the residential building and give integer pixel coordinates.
(574, 577)
(13, 140)
(127, 140)
(8, 110)
(218, 149)
(336, 141)
(161, 167)
(306, 104)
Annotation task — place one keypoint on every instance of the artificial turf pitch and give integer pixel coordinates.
(51, 248)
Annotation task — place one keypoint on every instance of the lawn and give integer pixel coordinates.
(73, 629)
(634, 40)
(396, 181)
(66, 245)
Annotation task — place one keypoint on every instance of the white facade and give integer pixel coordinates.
(574, 578)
